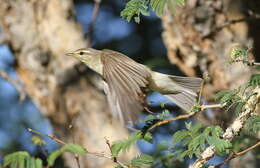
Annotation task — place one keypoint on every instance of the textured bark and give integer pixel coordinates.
(39, 32)
(197, 51)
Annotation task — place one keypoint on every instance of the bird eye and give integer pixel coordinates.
(81, 53)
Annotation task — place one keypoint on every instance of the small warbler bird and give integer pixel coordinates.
(126, 82)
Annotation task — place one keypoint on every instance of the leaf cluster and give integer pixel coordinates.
(194, 139)
(134, 8)
(252, 125)
(254, 80)
(229, 99)
(238, 54)
(23, 159)
(139, 162)
(124, 145)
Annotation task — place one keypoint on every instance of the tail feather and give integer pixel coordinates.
(188, 86)
(190, 83)
(184, 100)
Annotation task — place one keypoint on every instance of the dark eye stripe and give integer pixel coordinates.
(81, 53)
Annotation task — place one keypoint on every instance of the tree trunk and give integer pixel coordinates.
(196, 45)
(39, 32)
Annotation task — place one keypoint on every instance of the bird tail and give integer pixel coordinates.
(188, 88)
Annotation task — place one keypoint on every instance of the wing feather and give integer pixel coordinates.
(125, 79)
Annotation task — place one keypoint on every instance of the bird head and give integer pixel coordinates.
(84, 54)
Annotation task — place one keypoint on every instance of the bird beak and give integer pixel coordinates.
(69, 54)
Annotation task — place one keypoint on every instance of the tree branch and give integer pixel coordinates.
(15, 83)
(93, 21)
(102, 155)
(234, 129)
(184, 116)
(252, 16)
(234, 155)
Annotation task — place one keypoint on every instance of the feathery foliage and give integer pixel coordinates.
(254, 80)
(134, 8)
(22, 160)
(229, 98)
(253, 125)
(194, 139)
(142, 160)
(124, 145)
(66, 148)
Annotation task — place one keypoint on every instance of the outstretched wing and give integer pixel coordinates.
(125, 79)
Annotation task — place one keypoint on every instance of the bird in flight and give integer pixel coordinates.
(126, 83)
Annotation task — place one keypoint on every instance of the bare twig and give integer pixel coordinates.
(234, 155)
(234, 129)
(248, 62)
(15, 83)
(204, 107)
(102, 155)
(252, 16)
(93, 21)
(47, 135)
(184, 116)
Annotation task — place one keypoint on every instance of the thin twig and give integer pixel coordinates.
(252, 16)
(102, 155)
(76, 156)
(184, 116)
(47, 135)
(204, 107)
(15, 83)
(247, 62)
(234, 155)
(93, 21)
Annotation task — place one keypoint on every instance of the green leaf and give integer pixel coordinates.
(66, 148)
(33, 163)
(134, 8)
(214, 131)
(148, 137)
(196, 128)
(221, 146)
(254, 80)
(196, 143)
(38, 141)
(180, 135)
(239, 107)
(16, 159)
(228, 98)
(252, 125)
(38, 163)
(159, 5)
(142, 160)
(124, 145)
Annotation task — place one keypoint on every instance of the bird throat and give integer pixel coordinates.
(94, 63)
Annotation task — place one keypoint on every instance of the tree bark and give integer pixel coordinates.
(196, 46)
(39, 33)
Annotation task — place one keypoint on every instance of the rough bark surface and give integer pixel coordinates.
(194, 46)
(198, 50)
(39, 32)
(189, 45)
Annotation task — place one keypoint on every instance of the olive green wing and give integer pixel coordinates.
(125, 79)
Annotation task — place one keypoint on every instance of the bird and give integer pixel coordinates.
(127, 82)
